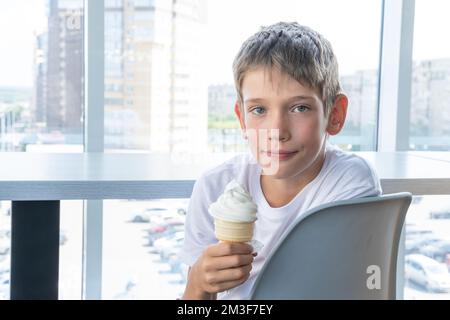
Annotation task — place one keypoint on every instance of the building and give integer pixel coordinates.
(155, 92)
(65, 73)
(430, 98)
(221, 100)
(361, 88)
(155, 87)
(40, 74)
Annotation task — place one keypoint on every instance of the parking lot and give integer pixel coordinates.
(131, 268)
(428, 242)
(129, 261)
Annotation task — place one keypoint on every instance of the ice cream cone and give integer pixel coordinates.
(234, 214)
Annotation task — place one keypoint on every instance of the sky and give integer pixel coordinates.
(352, 27)
(233, 21)
(19, 19)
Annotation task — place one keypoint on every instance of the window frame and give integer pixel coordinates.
(394, 89)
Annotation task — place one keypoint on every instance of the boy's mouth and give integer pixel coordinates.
(280, 154)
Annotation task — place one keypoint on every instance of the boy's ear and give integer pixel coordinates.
(338, 113)
(240, 115)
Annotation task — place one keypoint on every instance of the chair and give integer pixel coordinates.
(335, 250)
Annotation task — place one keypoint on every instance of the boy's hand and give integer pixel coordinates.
(221, 267)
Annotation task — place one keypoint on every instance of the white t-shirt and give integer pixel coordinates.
(343, 176)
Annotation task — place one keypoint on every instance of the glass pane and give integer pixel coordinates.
(430, 94)
(427, 248)
(140, 249)
(162, 106)
(155, 101)
(155, 93)
(358, 68)
(42, 107)
(70, 250)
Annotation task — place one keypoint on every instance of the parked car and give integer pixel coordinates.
(165, 217)
(413, 231)
(168, 242)
(415, 245)
(173, 250)
(423, 270)
(439, 251)
(5, 245)
(5, 273)
(158, 215)
(177, 266)
(5, 233)
(5, 286)
(5, 265)
(6, 211)
(156, 230)
(441, 213)
(163, 231)
(174, 262)
(144, 216)
(62, 237)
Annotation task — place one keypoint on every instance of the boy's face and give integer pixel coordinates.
(284, 122)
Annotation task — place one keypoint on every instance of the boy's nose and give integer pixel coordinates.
(279, 129)
(278, 135)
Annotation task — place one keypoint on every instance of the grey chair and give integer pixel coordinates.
(341, 250)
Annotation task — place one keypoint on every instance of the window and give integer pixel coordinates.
(140, 249)
(157, 40)
(430, 94)
(42, 110)
(428, 223)
(169, 89)
(142, 263)
(427, 249)
(357, 50)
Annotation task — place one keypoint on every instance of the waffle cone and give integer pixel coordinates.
(231, 231)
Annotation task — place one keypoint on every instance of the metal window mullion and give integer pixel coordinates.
(395, 91)
(395, 75)
(93, 142)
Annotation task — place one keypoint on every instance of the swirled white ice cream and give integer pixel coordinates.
(235, 204)
(234, 213)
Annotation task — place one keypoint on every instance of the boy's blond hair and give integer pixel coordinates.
(297, 50)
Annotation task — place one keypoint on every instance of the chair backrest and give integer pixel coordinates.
(341, 250)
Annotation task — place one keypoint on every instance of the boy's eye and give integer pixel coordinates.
(257, 110)
(300, 108)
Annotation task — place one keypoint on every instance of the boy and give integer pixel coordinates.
(289, 102)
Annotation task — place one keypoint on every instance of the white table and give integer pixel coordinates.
(421, 173)
(35, 183)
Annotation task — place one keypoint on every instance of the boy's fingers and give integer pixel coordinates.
(232, 274)
(226, 262)
(229, 248)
